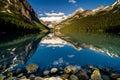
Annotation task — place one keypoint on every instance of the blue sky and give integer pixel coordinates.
(66, 6)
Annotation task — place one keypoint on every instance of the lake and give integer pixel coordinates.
(53, 50)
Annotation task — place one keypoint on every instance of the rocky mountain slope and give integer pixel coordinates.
(102, 19)
(18, 15)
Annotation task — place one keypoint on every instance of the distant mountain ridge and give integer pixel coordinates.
(103, 19)
(85, 13)
(18, 14)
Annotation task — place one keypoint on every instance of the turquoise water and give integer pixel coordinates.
(108, 42)
(69, 49)
(55, 52)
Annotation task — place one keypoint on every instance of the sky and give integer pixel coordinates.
(67, 7)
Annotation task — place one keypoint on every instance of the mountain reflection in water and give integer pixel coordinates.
(55, 52)
(18, 50)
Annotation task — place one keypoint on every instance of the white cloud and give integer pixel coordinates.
(54, 17)
(53, 41)
(72, 1)
(55, 14)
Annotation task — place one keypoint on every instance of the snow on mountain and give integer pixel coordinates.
(110, 7)
(79, 10)
(52, 19)
(100, 8)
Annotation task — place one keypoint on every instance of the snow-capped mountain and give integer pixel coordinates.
(78, 11)
(100, 8)
(52, 19)
(110, 7)
(104, 19)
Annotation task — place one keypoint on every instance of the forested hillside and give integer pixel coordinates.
(106, 20)
(18, 16)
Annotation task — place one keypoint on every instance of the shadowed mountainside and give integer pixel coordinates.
(18, 16)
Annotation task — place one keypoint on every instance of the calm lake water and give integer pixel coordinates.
(79, 49)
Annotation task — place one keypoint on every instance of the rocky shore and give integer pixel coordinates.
(69, 72)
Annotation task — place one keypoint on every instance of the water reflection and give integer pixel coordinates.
(55, 52)
(110, 43)
(18, 51)
(52, 41)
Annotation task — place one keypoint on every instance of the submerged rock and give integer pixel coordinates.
(73, 77)
(32, 77)
(10, 74)
(20, 75)
(70, 69)
(11, 78)
(83, 75)
(96, 75)
(118, 79)
(91, 67)
(105, 77)
(65, 76)
(115, 76)
(54, 70)
(53, 78)
(38, 78)
(105, 70)
(18, 71)
(23, 78)
(31, 68)
(46, 72)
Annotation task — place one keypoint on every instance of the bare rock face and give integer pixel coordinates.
(21, 7)
(87, 13)
(100, 8)
(115, 5)
(27, 11)
(118, 1)
(78, 11)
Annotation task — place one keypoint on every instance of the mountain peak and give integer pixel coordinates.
(80, 9)
(115, 4)
(100, 8)
(118, 1)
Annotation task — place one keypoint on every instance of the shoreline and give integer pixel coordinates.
(70, 72)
